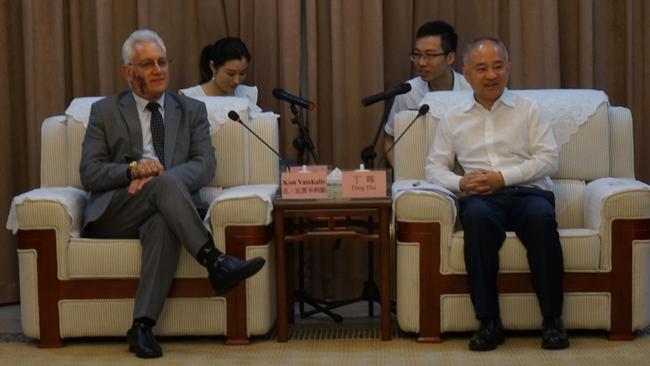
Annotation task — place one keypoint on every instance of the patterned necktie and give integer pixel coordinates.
(157, 131)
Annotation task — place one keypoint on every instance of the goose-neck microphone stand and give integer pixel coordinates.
(303, 141)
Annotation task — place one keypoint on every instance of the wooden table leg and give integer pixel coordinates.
(280, 277)
(384, 269)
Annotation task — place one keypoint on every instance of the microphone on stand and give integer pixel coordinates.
(235, 117)
(387, 94)
(424, 108)
(292, 99)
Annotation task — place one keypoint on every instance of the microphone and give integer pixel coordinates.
(301, 102)
(424, 108)
(387, 94)
(235, 117)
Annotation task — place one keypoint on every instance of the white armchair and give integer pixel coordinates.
(76, 287)
(603, 217)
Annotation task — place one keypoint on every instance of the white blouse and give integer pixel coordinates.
(242, 91)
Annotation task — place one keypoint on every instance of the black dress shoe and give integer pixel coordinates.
(488, 336)
(228, 271)
(554, 335)
(142, 342)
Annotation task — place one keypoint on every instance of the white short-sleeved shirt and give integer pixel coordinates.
(242, 91)
(412, 99)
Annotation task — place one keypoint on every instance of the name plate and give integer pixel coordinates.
(364, 183)
(304, 185)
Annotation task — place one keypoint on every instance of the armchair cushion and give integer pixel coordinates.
(87, 258)
(580, 247)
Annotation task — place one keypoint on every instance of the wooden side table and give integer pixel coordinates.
(286, 213)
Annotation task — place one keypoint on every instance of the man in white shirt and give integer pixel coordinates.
(507, 154)
(433, 55)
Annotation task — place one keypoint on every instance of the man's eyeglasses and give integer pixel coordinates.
(428, 57)
(150, 64)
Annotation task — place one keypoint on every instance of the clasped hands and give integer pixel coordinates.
(481, 182)
(145, 171)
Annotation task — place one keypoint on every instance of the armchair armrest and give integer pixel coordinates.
(607, 199)
(24, 214)
(58, 208)
(426, 206)
(409, 198)
(245, 205)
(610, 199)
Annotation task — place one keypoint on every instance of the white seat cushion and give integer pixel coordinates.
(580, 247)
(87, 258)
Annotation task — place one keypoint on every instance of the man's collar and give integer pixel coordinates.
(422, 83)
(506, 98)
(141, 103)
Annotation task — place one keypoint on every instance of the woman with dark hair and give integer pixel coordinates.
(223, 67)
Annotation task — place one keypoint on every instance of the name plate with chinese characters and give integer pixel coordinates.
(304, 185)
(364, 183)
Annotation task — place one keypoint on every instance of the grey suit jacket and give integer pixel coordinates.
(114, 138)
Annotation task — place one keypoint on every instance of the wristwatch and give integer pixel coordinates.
(132, 165)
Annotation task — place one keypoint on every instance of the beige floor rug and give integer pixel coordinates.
(320, 347)
(321, 342)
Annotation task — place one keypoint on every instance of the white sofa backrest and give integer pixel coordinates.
(241, 158)
(621, 162)
(602, 146)
(586, 155)
(54, 153)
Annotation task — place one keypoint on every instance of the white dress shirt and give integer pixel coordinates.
(145, 123)
(412, 99)
(242, 91)
(509, 138)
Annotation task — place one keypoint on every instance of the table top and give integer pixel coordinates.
(281, 203)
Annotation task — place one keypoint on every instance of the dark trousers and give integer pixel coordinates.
(530, 213)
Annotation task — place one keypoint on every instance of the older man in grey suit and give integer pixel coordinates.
(145, 155)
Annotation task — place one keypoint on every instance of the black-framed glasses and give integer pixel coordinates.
(428, 57)
(150, 64)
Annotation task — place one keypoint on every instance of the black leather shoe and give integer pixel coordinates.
(142, 342)
(488, 336)
(554, 335)
(228, 271)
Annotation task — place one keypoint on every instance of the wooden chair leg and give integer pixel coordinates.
(623, 233)
(237, 239)
(44, 242)
(428, 235)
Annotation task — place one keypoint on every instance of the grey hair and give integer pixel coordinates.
(140, 35)
(476, 41)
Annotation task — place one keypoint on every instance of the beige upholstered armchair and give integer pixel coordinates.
(602, 212)
(76, 287)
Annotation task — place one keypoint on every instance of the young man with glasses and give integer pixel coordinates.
(145, 155)
(433, 55)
